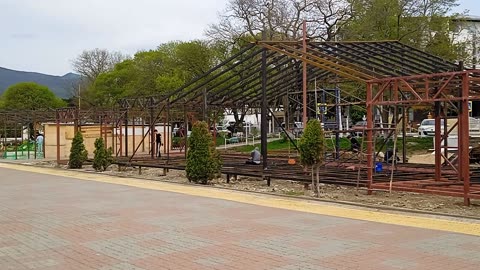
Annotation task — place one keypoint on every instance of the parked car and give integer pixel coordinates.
(427, 127)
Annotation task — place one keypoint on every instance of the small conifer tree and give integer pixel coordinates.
(78, 153)
(312, 150)
(103, 156)
(203, 160)
(216, 159)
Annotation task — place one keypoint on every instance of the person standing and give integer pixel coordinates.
(158, 142)
(39, 140)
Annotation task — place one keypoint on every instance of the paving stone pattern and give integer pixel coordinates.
(51, 222)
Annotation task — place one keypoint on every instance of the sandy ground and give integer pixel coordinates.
(403, 200)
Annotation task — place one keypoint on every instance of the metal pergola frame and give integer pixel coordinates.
(441, 90)
(262, 73)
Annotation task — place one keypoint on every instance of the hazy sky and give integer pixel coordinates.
(45, 35)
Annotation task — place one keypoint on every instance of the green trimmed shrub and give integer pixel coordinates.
(78, 153)
(103, 156)
(203, 160)
(216, 159)
(312, 149)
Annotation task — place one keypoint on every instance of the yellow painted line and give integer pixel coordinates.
(471, 228)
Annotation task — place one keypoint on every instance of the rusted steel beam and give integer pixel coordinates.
(437, 142)
(370, 150)
(58, 137)
(464, 139)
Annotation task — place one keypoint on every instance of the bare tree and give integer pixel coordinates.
(282, 19)
(91, 63)
(329, 17)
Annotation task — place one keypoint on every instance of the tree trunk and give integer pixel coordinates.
(314, 188)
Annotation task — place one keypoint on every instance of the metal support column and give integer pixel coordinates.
(185, 135)
(58, 137)
(143, 134)
(16, 142)
(126, 132)
(370, 153)
(152, 134)
(105, 129)
(134, 143)
(438, 141)
(113, 127)
(338, 121)
(120, 138)
(205, 106)
(464, 140)
(304, 73)
(165, 131)
(404, 134)
(264, 112)
(169, 133)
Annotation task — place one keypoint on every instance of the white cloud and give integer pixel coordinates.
(45, 35)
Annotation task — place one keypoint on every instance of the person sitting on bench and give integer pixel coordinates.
(255, 157)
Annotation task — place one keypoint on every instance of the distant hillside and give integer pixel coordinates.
(62, 86)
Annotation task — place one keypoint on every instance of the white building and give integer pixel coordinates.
(467, 30)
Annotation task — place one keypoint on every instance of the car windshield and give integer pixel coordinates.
(430, 122)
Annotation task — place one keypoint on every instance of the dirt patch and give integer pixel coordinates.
(405, 200)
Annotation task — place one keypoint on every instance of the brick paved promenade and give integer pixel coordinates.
(56, 222)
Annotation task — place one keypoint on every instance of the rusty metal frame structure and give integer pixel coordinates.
(262, 73)
(268, 70)
(439, 90)
(154, 109)
(272, 69)
(259, 74)
(14, 120)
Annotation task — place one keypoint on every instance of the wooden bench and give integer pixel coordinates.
(140, 165)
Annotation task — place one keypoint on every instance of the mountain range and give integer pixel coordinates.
(62, 86)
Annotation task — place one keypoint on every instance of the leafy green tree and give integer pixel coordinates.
(202, 159)
(113, 85)
(78, 153)
(423, 24)
(194, 57)
(103, 156)
(30, 96)
(152, 72)
(312, 150)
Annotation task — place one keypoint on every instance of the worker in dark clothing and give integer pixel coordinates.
(354, 144)
(158, 142)
(389, 156)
